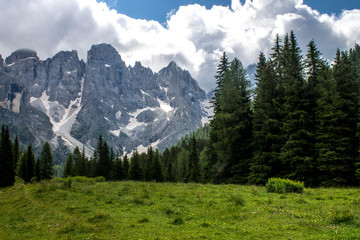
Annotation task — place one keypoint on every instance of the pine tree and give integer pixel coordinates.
(16, 152)
(326, 127)
(266, 128)
(347, 86)
(222, 68)
(194, 167)
(7, 173)
(126, 167)
(77, 158)
(315, 68)
(118, 171)
(168, 163)
(46, 162)
(135, 172)
(82, 166)
(27, 165)
(69, 168)
(104, 164)
(295, 154)
(147, 164)
(156, 168)
(37, 170)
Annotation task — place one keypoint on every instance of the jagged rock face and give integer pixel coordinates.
(21, 54)
(131, 107)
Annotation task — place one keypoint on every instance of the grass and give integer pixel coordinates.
(90, 209)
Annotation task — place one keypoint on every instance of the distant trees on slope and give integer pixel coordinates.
(14, 162)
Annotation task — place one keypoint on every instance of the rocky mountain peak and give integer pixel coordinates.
(131, 107)
(21, 54)
(104, 54)
(64, 55)
(1, 61)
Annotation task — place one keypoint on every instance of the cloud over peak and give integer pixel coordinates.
(194, 36)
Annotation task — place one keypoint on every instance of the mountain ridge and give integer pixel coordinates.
(131, 107)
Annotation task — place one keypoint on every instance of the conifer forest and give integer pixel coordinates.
(300, 121)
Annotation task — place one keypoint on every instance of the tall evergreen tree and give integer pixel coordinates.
(156, 168)
(194, 167)
(295, 153)
(126, 167)
(7, 173)
(16, 152)
(46, 162)
(135, 172)
(26, 166)
(232, 126)
(69, 168)
(104, 164)
(266, 127)
(77, 158)
(222, 68)
(118, 171)
(348, 105)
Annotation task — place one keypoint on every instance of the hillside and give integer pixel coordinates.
(87, 209)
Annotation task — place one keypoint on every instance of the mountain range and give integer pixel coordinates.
(69, 102)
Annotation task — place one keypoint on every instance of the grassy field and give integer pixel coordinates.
(87, 209)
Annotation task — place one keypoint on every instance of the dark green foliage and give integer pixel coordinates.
(279, 185)
(7, 173)
(126, 167)
(222, 68)
(231, 127)
(26, 167)
(266, 127)
(46, 163)
(156, 172)
(16, 152)
(135, 172)
(104, 162)
(69, 169)
(194, 168)
(118, 170)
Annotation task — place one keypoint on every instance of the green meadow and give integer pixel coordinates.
(81, 208)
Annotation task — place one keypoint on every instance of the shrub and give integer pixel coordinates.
(100, 179)
(279, 185)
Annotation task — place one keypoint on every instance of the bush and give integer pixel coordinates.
(279, 185)
(100, 179)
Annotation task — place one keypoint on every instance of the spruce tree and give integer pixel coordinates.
(232, 126)
(104, 164)
(222, 68)
(156, 168)
(126, 167)
(135, 172)
(46, 162)
(27, 165)
(194, 167)
(7, 173)
(345, 76)
(296, 154)
(118, 171)
(266, 128)
(16, 152)
(69, 168)
(77, 158)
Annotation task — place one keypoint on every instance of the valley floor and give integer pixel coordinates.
(83, 208)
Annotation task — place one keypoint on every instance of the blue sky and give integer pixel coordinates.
(157, 9)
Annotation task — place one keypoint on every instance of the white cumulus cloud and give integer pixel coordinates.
(194, 36)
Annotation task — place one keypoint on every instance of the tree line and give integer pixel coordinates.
(301, 121)
(14, 162)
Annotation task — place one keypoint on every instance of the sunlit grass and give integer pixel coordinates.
(89, 209)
